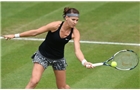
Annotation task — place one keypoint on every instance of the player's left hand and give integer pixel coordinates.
(88, 65)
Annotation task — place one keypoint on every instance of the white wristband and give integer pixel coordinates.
(83, 61)
(17, 35)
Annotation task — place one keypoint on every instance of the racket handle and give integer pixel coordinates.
(97, 64)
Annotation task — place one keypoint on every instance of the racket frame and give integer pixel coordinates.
(111, 59)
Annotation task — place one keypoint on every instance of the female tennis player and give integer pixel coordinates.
(51, 51)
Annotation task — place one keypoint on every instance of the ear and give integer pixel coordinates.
(66, 18)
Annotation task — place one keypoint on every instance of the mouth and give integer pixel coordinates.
(73, 26)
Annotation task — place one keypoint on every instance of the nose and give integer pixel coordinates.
(75, 22)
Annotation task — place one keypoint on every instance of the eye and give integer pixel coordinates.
(75, 20)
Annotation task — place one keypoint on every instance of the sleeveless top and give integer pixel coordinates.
(53, 45)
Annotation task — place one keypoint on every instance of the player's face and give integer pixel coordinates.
(72, 21)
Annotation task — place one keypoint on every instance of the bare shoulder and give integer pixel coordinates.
(54, 25)
(76, 33)
(76, 30)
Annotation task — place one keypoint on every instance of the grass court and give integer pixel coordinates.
(99, 21)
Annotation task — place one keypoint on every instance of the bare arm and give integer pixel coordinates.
(49, 27)
(77, 49)
(78, 52)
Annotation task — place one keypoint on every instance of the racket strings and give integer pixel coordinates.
(126, 60)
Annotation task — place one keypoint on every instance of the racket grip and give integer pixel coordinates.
(97, 64)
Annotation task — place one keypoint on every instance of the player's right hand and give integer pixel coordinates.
(7, 37)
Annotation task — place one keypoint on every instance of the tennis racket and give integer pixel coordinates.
(125, 59)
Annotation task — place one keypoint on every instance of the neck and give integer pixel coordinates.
(66, 27)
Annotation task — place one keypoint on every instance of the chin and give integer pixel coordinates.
(72, 26)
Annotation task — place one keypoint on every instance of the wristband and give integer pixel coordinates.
(83, 61)
(17, 35)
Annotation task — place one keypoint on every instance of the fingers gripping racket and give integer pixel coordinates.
(124, 60)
